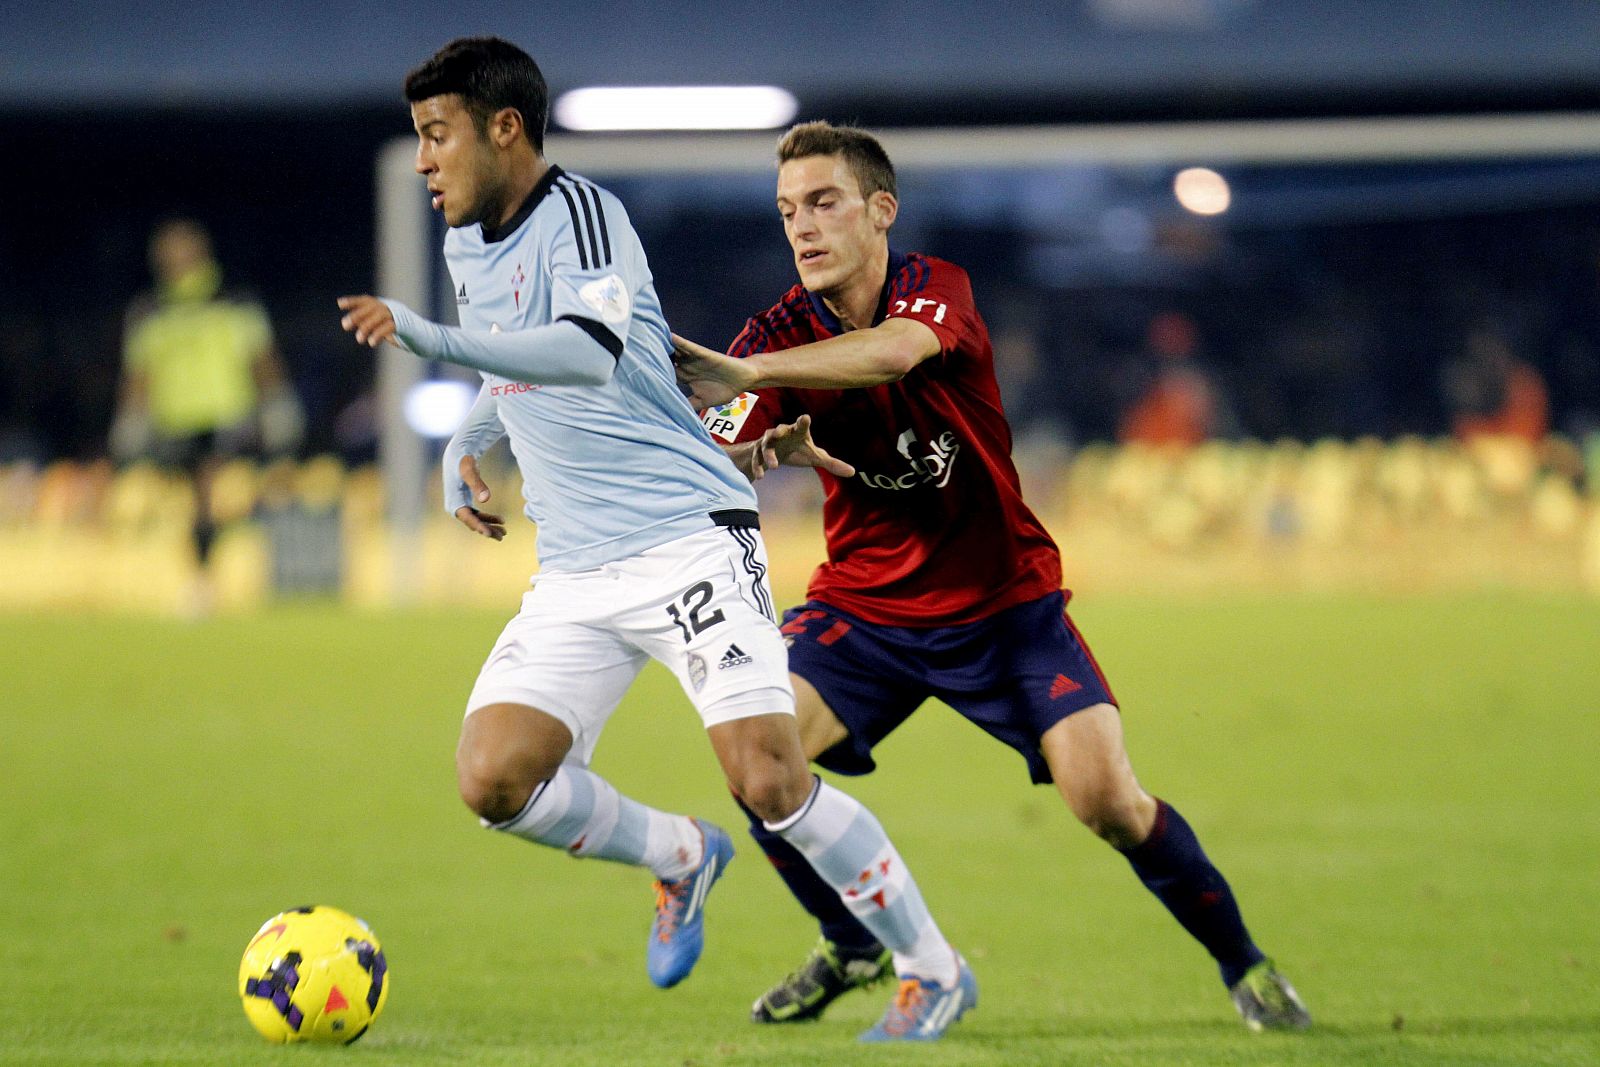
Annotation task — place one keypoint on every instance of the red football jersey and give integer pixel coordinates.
(932, 530)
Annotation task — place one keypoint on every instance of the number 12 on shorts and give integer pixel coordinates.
(694, 598)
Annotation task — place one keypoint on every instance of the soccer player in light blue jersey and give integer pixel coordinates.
(648, 538)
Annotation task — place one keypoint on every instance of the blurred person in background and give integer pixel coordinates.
(1180, 405)
(1493, 393)
(202, 382)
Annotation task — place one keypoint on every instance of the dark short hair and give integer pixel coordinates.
(861, 151)
(489, 74)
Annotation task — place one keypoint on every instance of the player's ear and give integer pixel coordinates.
(882, 208)
(504, 126)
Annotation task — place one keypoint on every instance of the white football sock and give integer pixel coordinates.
(581, 812)
(846, 845)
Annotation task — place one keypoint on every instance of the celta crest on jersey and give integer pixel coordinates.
(933, 463)
(725, 420)
(516, 287)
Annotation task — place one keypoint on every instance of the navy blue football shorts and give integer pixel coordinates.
(1014, 674)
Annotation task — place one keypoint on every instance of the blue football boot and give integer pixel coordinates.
(679, 932)
(923, 1011)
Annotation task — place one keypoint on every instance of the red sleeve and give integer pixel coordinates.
(938, 294)
(748, 415)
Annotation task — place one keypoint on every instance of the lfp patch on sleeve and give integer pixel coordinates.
(724, 421)
(609, 297)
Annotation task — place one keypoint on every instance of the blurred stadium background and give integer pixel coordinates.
(1299, 384)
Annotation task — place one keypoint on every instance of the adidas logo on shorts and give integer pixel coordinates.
(734, 657)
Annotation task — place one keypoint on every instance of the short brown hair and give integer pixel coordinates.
(865, 156)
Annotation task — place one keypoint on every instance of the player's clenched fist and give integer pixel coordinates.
(712, 377)
(368, 319)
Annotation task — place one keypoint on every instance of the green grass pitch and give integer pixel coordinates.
(1404, 794)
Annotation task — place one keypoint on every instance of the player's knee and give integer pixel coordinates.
(772, 789)
(764, 764)
(496, 786)
(763, 794)
(1113, 811)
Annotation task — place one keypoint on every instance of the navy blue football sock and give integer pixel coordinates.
(1173, 866)
(816, 896)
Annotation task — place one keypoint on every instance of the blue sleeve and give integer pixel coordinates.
(560, 353)
(597, 266)
(477, 432)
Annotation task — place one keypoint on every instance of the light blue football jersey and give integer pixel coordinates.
(607, 470)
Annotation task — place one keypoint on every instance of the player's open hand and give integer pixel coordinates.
(479, 522)
(368, 318)
(790, 444)
(483, 523)
(711, 377)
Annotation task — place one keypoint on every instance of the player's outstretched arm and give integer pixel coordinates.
(711, 377)
(788, 444)
(885, 353)
(369, 319)
(564, 352)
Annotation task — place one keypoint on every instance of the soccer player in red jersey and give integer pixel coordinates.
(939, 582)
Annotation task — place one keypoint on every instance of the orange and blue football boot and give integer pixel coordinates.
(678, 934)
(922, 1010)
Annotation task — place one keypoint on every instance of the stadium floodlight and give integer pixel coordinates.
(435, 408)
(676, 107)
(1202, 191)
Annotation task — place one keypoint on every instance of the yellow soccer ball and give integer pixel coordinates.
(313, 974)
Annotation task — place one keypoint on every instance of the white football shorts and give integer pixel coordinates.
(700, 604)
